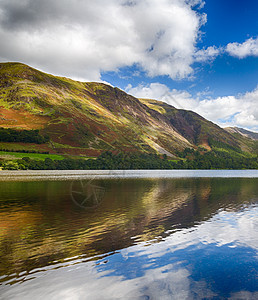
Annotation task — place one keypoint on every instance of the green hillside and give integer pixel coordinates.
(68, 117)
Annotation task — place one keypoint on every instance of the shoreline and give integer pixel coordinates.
(35, 175)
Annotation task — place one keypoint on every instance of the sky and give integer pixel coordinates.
(200, 55)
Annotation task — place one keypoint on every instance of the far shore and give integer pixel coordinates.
(35, 175)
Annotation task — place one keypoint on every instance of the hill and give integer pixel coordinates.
(88, 118)
(243, 132)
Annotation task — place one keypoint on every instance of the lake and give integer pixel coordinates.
(177, 234)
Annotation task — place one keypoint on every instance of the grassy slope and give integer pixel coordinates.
(87, 118)
(16, 155)
(91, 116)
(198, 130)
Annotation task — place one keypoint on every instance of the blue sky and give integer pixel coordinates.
(227, 21)
(194, 54)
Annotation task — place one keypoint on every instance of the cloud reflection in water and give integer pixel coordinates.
(217, 258)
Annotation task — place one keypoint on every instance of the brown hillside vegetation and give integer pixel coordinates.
(89, 118)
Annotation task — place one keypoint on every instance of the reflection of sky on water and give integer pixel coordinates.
(215, 259)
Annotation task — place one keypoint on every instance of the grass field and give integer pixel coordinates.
(17, 155)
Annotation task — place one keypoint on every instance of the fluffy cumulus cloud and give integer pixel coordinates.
(240, 110)
(158, 91)
(84, 38)
(248, 48)
(208, 54)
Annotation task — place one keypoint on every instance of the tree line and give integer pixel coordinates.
(192, 159)
(22, 136)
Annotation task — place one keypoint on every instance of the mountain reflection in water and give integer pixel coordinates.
(188, 238)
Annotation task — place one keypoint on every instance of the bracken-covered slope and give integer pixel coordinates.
(199, 131)
(89, 118)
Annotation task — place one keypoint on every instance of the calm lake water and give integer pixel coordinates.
(129, 235)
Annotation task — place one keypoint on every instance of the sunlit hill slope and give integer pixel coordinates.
(89, 118)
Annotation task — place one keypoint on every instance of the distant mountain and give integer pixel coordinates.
(89, 118)
(244, 132)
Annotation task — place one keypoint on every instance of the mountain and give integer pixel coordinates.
(87, 118)
(243, 132)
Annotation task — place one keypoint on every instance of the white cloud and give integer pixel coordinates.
(158, 91)
(248, 48)
(240, 110)
(208, 54)
(198, 3)
(83, 38)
